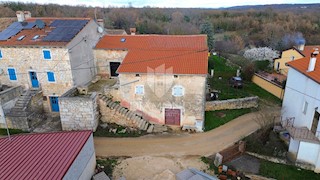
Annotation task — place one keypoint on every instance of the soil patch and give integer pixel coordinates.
(155, 167)
(246, 164)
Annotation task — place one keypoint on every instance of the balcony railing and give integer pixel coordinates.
(300, 133)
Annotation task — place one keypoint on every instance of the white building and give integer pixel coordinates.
(300, 111)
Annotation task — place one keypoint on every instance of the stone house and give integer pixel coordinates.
(52, 55)
(300, 110)
(162, 77)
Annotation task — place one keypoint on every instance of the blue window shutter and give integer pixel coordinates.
(0, 54)
(12, 74)
(46, 54)
(51, 77)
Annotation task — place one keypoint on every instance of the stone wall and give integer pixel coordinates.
(249, 102)
(113, 116)
(158, 96)
(79, 112)
(104, 57)
(10, 94)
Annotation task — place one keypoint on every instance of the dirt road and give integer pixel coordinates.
(203, 144)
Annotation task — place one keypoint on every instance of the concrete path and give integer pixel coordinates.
(179, 145)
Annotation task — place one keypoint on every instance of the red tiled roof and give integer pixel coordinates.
(302, 65)
(40, 156)
(187, 54)
(30, 33)
(309, 49)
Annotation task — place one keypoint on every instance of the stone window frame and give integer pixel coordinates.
(174, 91)
(43, 50)
(1, 54)
(54, 77)
(142, 89)
(15, 73)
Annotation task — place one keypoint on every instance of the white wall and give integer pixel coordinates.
(308, 152)
(300, 88)
(81, 54)
(293, 146)
(83, 166)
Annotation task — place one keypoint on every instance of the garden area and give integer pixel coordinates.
(224, 70)
(3, 131)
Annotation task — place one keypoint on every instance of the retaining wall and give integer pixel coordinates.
(249, 102)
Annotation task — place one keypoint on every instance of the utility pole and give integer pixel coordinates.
(3, 119)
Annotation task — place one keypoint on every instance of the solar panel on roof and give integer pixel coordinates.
(40, 24)
(7, 33)
(65, 30)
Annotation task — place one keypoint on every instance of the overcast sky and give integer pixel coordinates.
(167, 3)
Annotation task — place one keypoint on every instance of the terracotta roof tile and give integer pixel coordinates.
(309, 49)
(186, 54)
(302, 65)
(40, 156)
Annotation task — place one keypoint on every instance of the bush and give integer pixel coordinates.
(248, 71)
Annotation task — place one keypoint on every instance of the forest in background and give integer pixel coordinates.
(234, 29)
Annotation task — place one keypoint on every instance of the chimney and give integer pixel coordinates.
(20, 16)
(27, 14)
(133, 31)
(313, 60)
(301, 47)
(100, 22)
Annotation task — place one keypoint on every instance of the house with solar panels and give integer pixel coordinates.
(162, 78)
(48, 56)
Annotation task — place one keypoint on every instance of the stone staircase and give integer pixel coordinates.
(133, 119)
(21, 105)
(20, 114)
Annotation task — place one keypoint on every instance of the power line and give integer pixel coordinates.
(133, 62)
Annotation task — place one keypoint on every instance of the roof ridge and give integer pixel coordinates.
(42, 133)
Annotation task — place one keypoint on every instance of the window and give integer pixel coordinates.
(51, 77)
(305, 107)
(12, 74)
(46, 54)
(177, 91)
(0, 54)
(175, 76)
(137, 75)
(292, 58)
(140, 89)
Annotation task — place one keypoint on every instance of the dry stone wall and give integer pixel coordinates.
(249, 102)
(79, 112)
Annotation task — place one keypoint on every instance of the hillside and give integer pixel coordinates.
(277, 26)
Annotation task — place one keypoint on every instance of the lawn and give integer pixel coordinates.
(220, 82)
(215, 119)
(3, 131)
(281, 171)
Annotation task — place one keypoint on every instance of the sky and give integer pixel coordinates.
(167, 3)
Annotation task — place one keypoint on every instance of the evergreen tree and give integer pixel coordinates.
(207, 28)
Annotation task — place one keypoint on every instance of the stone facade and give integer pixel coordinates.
(79, 112)
(241, 103)
(104, 57)
(10, 94)
(158, 96)
(72, 65)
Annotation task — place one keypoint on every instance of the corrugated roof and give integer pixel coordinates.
(186, 54)
(30, 33)
(40, 156)
(302, 65)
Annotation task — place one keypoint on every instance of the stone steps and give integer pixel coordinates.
(130, 116)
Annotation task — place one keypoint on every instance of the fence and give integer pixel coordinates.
(268, 85)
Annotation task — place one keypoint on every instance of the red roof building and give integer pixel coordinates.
(186, 54)
(47, 156)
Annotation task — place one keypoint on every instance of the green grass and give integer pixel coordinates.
(281, 171)
(3, 131)
(100, 132)
(213, 120)
(228, 92)
(107, 165)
